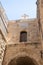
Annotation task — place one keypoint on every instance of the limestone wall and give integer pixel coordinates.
(30, 26)
(3, 21)
(3, 32)
(2, 48)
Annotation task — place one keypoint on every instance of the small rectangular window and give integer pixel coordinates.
(23, 36)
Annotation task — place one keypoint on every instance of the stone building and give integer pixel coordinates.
(21, 41)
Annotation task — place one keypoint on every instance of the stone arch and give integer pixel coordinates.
(23, 60)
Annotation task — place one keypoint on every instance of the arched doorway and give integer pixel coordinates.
(22, 61)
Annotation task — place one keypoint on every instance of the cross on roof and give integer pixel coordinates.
(25, 16)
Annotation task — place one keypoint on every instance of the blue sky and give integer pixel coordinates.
(16, 8)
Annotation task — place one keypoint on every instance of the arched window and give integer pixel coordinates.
(23, 36)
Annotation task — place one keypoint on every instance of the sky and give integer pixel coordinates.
(16, 8)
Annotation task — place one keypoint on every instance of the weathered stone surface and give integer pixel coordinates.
(16, 52)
